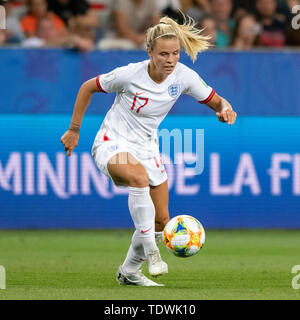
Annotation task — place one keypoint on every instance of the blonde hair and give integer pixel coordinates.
(189, 36)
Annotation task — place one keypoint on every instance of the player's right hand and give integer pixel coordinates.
(70, 141)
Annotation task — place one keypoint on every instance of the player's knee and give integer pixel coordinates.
(160, 223)
(139, 179)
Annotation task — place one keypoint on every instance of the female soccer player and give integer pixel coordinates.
(126, 146)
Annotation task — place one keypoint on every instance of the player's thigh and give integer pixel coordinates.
(124, 168)
(160, 197)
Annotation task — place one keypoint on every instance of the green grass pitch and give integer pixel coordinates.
(82, 265)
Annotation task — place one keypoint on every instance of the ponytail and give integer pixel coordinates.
(189, 36)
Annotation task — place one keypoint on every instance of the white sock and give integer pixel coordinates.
(135, 255)
(142, 212)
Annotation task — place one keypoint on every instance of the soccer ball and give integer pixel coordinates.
(184, 236)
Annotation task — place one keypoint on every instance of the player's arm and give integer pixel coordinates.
(223, 109)
(196, 87)
(84, 96)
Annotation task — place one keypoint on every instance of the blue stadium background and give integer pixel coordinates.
(251, 176)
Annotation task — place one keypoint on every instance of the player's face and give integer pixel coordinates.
(165, 55)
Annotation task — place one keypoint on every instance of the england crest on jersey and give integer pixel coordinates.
(174, 90)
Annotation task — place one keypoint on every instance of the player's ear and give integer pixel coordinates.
(149, 52)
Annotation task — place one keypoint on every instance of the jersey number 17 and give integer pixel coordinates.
(142, 106)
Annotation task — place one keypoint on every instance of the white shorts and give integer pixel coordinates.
(102, 152)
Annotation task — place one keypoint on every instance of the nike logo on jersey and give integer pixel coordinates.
(139, 93)
(144, 231)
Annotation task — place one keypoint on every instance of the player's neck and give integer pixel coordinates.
(155, 75)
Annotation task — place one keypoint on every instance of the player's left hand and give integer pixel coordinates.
(227, 114)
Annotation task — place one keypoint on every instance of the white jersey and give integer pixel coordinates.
(141, 104)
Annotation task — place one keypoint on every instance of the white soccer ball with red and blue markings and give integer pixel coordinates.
(184, 236)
